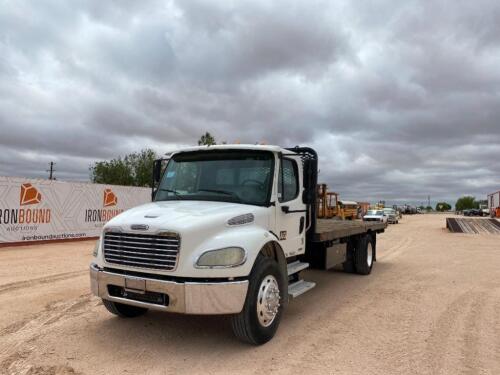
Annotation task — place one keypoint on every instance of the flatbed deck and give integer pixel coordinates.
(332, 229)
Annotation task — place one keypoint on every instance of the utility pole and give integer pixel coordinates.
(51, 171)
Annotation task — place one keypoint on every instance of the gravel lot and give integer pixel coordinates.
(430, 306)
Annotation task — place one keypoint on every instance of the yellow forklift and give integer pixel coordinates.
(329, 205)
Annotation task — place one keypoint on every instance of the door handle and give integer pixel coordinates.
(286, 210)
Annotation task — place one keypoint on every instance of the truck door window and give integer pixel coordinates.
(288, 181)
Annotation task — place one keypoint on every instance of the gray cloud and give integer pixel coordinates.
(401, 99)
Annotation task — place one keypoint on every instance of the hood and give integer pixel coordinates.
(179, 215)
(373, 216)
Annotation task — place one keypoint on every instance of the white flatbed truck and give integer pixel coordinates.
(228, 231)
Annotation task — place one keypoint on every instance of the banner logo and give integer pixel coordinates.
(110, 198)
(29, 195)
(102, 215)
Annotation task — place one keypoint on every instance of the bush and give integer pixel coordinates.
(466, 203)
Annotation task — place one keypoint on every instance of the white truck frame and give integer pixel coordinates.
(216, 255)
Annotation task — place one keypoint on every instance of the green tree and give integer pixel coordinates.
(207, 139)
(141, 165)
(466, 203)
(443, 206)
(134, 169)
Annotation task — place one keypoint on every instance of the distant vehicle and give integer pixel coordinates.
(375, 215)
(473, 212)
(392, 215)
(411, 210)
(349, 209)
(399, 210)
(419, 210)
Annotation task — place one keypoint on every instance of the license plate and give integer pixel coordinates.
(135, 284)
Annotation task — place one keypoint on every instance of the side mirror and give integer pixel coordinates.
(157, 171)
(309, 177)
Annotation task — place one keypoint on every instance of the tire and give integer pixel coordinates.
(364, 255)
(122, 310)
(246, 325)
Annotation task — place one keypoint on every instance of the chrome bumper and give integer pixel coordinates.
(188, 298)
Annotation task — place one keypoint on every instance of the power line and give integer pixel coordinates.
(51, 171)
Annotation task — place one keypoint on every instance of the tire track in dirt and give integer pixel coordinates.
(52, 313)
(461, 315)
(20, 338)
(409, 345)
(42, 280)
(470, 350)
(397, 249)
(16, 364)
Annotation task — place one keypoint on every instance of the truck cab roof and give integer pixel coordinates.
(233, 147)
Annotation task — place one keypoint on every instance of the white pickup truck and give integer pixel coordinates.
(228, 231)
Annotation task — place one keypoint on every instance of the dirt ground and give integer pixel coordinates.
(430, 306)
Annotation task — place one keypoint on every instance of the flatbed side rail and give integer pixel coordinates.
(331, 229)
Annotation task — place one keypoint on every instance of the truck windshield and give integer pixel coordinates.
(230, 176)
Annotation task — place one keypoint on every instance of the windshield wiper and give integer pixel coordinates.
(225, 192)
(176, 193)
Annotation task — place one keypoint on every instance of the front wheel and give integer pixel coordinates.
(122, 310)
(258, 321)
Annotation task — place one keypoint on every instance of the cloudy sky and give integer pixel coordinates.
(400, 98)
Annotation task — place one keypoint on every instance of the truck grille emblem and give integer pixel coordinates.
(139, 227)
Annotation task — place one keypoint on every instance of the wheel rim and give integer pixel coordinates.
(369, 254)
(268, 300)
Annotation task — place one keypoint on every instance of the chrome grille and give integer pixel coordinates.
(156, 251)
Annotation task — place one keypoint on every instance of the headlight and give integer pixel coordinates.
(96, 248)
(227, 257)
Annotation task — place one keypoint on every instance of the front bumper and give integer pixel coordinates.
(206, 298)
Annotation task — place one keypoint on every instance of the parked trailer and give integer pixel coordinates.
(229, 231)
(494, 204)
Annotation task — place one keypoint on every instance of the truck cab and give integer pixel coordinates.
(226, 233)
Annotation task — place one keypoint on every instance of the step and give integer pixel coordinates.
(300, 287)
(296, 266)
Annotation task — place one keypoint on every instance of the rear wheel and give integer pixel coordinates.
(348, 265)
(364, 255)
(258, 321)
(122, 310)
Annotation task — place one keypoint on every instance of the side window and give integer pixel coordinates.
(288, 181)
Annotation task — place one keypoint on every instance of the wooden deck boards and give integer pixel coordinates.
(331, 229)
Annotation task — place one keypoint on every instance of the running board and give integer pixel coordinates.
(299, 287)
(296, 266)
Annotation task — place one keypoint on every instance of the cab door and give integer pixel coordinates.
(290, 210)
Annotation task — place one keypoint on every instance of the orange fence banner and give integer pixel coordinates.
(42, 210)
